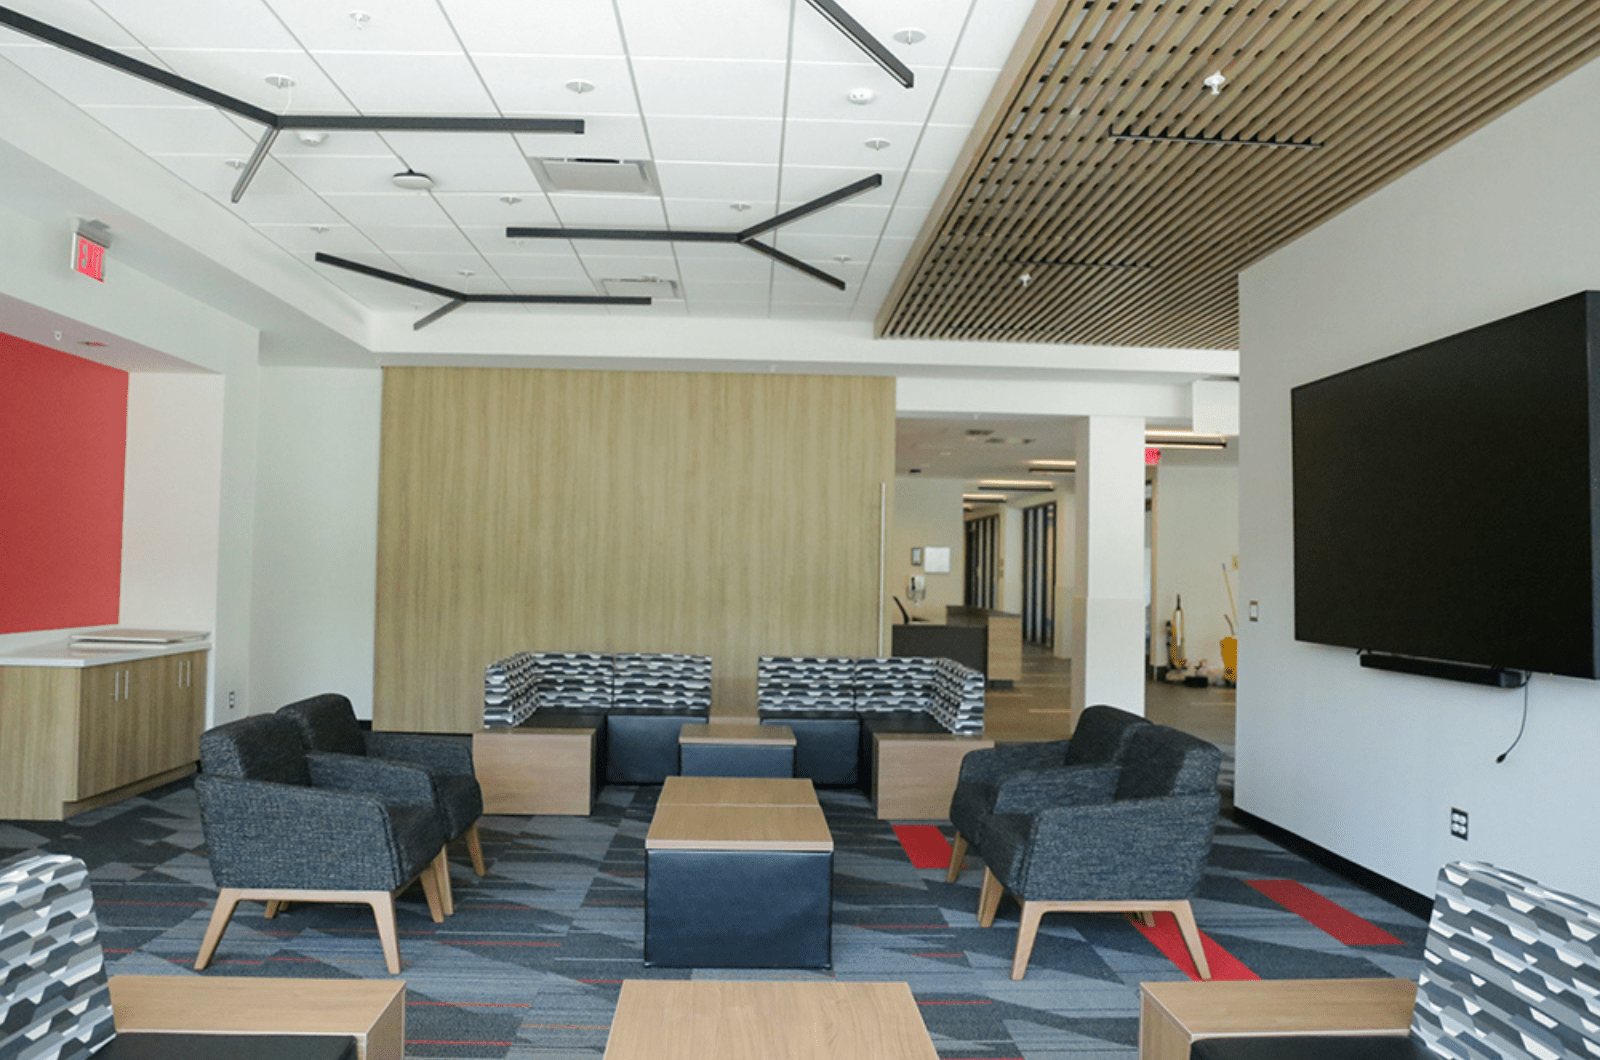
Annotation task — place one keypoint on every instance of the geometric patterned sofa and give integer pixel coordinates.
(1511, 971)
(835, 704)
(636, 701)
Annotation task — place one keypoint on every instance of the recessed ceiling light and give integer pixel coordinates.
(234, 163)
(360, 18)
(841, 258)
(319, 229)
(279, 80)
(580, 86)
(510, 200)
(740, 207)
(877, 143)
(910, 36)
(465, 272)
(862, 96)
(411, 180)
(311, 137)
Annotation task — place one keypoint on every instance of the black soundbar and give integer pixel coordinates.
(1492, 676)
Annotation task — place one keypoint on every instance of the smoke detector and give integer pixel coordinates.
(411, 180)
(1215, 82)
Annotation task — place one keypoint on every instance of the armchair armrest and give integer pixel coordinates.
(1136, 848)
(263, 834)
(1036, 789)
(392, 782)
(994, 763)
(446, 754)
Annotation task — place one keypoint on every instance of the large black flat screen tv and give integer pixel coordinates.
(1445, 498)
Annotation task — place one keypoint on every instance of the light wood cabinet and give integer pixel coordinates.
(76, 737)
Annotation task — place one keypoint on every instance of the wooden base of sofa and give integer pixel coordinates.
(914, 773)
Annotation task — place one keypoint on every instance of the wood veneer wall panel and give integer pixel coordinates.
(722, 514)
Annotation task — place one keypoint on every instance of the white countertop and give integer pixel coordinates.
(61, 653)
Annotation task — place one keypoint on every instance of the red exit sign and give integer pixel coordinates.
(1152, 457)
(88, 257)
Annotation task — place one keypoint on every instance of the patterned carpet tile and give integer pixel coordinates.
(530, 965)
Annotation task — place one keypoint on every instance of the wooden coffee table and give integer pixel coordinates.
(736, 749)
(731, 885)
(1173, 1015)
(702, 1019)
(737, 791)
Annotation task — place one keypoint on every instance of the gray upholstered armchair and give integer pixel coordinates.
(327, 723)
(1141, 852)
(282, 825)
(1020, 778)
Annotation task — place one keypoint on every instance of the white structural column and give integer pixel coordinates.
(1108, 597)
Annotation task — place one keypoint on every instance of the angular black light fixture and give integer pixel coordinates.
(457, 299)
(745, 237)
(275, 123)
(865, 41)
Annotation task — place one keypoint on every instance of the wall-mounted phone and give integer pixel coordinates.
(917, 590)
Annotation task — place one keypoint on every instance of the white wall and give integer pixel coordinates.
(316, 547)
(1196, 531)
(927, 511)
(1366, 763)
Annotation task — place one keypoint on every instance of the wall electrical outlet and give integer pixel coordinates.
(233, 700)
(1255, 611)
(1458, 823)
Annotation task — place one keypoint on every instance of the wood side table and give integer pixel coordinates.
(914, 774)
(536, 770)
(1173, 1015)
(737, 791)
(736, 749)
(373, 1011)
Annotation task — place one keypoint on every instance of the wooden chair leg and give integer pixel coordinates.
(1027, 931)
(227, 900)
(430, 889)
(447, 894)
(988, 898)
(1147, 918)
(382, 903)
(475, 849)
(958, 851)
(1184, 913)
(273, 908)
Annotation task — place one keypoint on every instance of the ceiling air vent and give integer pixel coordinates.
(641, 287)
(612, 176)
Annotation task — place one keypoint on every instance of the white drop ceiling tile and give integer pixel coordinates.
(339, 144)
(907, 221)
(264, 206)
(479, 209)
(174, 130)
(844, 143)
(301, 239)
(609, 211)
(992, 32)
(720, 310)
(392, 208)
(201, 24)
(443, 269)
(378, 294)
(712, 215)
(658, 307)
(528, 248)
(745, 140)
(604, 136)
(485, 282)
(701, 291)
(711, 29)
(801, 184)
(577, 285)
(207, 173)
(341, 173)
(82, 18)
(554, 27)
(815, 38)
(396, 240)
(699, 87)
(820, 250)
(535, 273)
(242, 74)
(508, 174)
(921, 187)
(962, 98)
(736, 266)
(725, 183)
(394, 25)
(821, 91)
(941, 147)
(629, 255)
(537, 84)
(394, 83)
(85, 82)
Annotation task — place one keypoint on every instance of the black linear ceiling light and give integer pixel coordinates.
(745, 238)
(457, 299)
(865, 41)
(275, 123)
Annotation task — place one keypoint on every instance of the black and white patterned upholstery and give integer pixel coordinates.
(958, 697)
(676, 683)
(510, 690)
(1511, 970)
(805, 683)
(893, 684)
(573, 680)
(54, 1002)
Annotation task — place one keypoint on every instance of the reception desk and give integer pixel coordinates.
(1003, 652)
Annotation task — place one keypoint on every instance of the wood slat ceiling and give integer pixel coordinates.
(1140, 243)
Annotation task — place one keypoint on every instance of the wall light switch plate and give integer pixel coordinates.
(1255, 611)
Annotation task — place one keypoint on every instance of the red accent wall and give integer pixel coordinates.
(63, 440)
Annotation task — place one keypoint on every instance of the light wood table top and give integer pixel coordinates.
(1286, 1006)
(737, 732)
(737, 791)
(691, 827)
(662, 1019)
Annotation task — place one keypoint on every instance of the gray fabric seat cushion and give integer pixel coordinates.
(262, 747)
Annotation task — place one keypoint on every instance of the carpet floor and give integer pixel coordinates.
(532, 961)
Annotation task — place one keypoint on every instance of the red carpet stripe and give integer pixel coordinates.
(1166, 938)
(924, 844)
(1324, 913)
